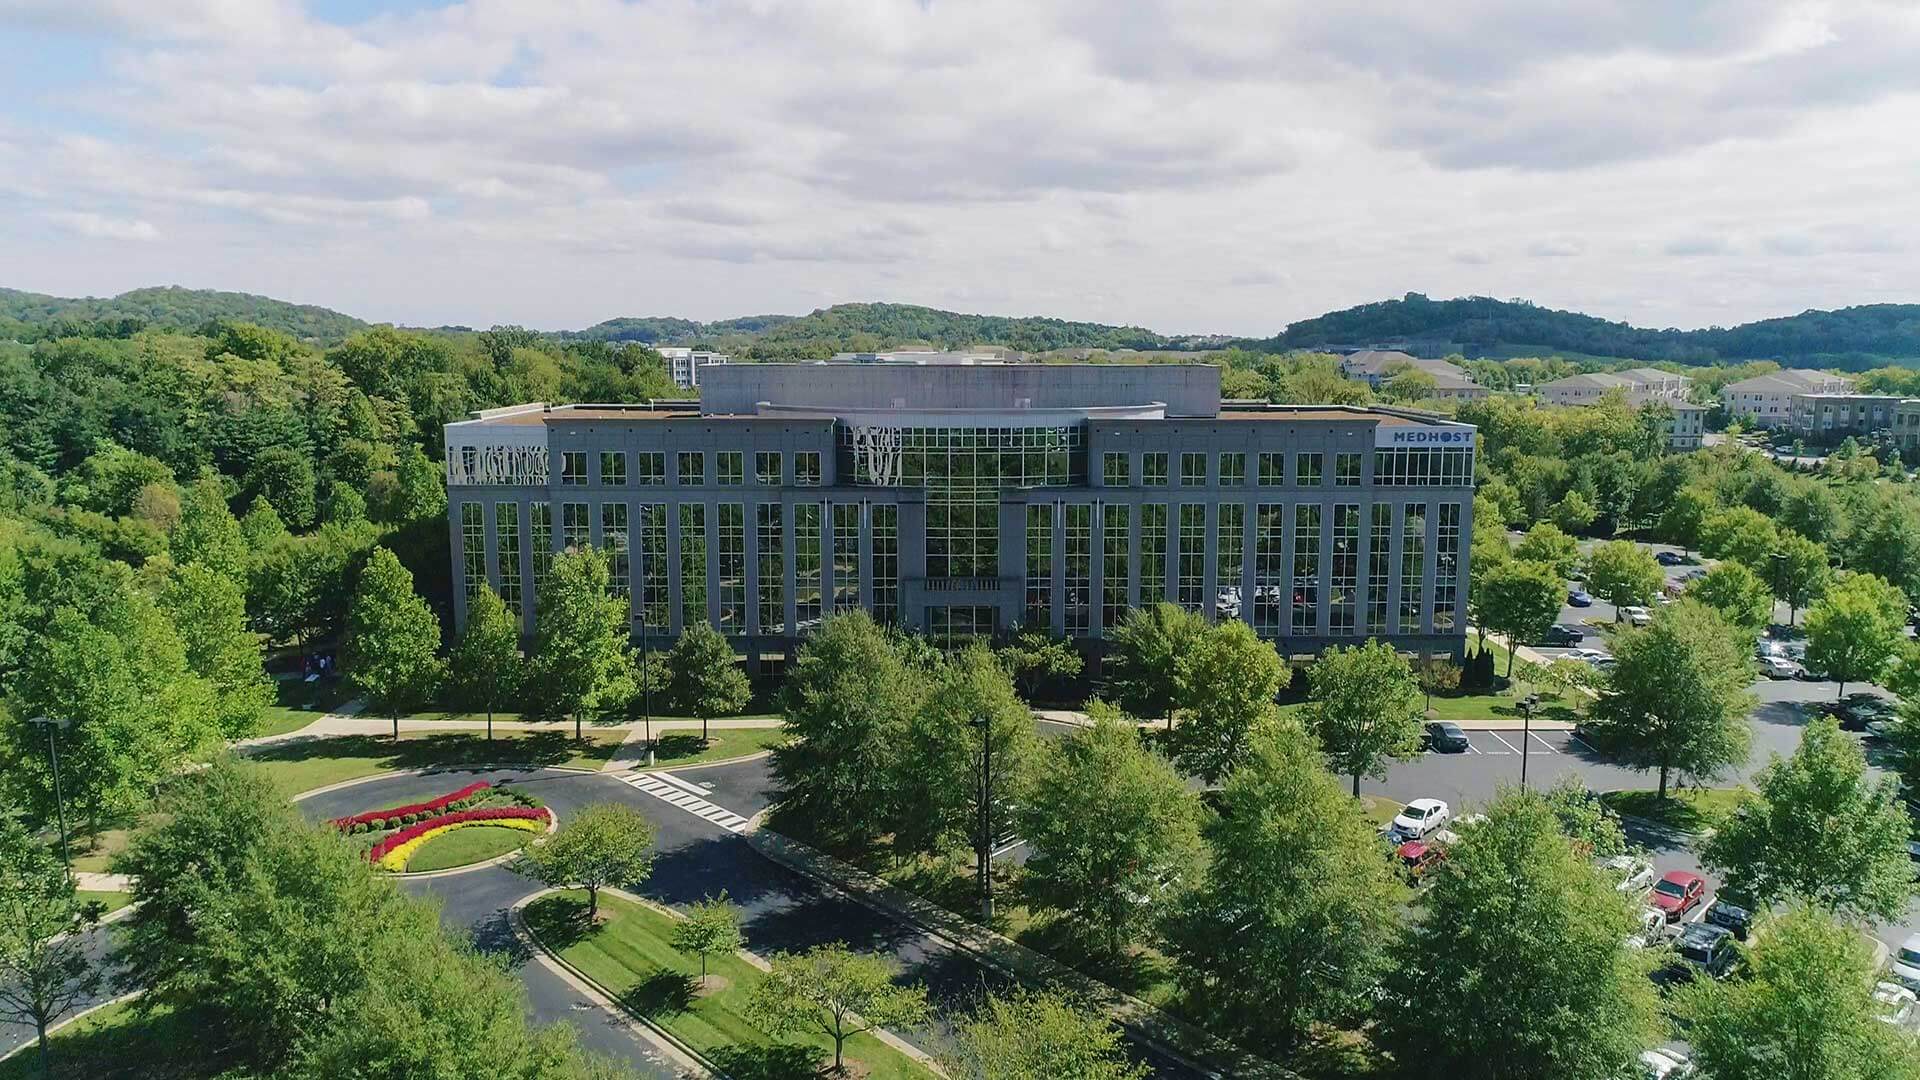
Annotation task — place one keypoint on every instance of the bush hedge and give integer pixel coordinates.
(392, 852)
(409, 814)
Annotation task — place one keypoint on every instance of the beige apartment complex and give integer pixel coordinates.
(1767, 400)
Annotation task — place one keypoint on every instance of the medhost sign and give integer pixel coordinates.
(1402, 435)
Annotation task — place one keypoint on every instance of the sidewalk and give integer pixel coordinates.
(1206, 1053)
(346, 721)
(91, 881)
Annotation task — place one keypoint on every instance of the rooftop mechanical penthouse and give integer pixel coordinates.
(969, 500)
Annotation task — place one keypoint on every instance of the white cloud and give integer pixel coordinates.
(100, 227)
(1195, 165)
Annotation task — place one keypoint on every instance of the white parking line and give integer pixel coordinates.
(1544, 743)
(1496, 737)
(1571, 739)
(668, 791)
(1472, 748)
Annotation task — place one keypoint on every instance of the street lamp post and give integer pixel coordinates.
(52, 725)
(986, 816)
(1526, 733)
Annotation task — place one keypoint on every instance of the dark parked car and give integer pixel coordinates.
(1913, 854)
(1705, 949)
(1856, 711)
(1563, 634)
(1670, 558)
(1734, 916)
(1447, 737)
(1579, 598)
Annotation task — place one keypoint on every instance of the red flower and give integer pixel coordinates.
(416, 808)
(421, 828)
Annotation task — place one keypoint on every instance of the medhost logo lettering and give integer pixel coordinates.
(1430, 437)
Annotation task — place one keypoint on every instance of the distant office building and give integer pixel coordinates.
(1767, 400)
(1637, 385)
(1831, 417)
(1376, 366)
(685, 364)
(916, 356)
(966, 500)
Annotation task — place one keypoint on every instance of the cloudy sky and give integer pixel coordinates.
(1189, 165)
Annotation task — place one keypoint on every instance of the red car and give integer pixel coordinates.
(1676, 893)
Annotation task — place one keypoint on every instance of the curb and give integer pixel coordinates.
(1151, 1025)
(693, 1059)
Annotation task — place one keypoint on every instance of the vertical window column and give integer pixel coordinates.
(693, 564)
(1413, 564)
(654, 602)
(1153, 554)
(771, 540)
(1230, 560)
(1345, 580)
(473, 547)
(1079, 569)
(613, 538)
(1040, 526)
(540, 534)
(1192, 586)
(1379, 567)
(1115, 529)
(1269, 567)
(1306, 569)
(731, 567)
(884, 521)
(575, 528)
(506, 529)
(846, 556)
(806, 567)
(1446, 570)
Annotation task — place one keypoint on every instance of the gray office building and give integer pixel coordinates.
(969, 500)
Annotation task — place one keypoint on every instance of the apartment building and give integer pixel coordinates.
(1825, 418)
(685, 364)
(1376, 366)
(1637, 385)
(1767, 400)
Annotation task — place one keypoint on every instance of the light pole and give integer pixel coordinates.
(1526, 733)
(52, 725)
(986, 816)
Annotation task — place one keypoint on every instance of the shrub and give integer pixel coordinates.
(378, 824)
(394, 815)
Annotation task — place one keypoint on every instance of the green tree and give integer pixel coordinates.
(1740, 533)
(1231, 677)
(712, 926)
(1574, 512)
(1518, 600)
(1519, 932)
(1033, 657)
(704, 678)
(1364, 709)
(605, 844)
(262, 527)
(284, 477)
(1623, 573)
(1885, 541)
(1855, 629)
(1682, 517)
(391, 653)
(1112, 830)
(1293, 926)
(1802, 1009)
(45, 968)
(485, 668)
(1801, 575)
(580, 631)
(1037, 1035)
(1737, 593)
(207, 533)
(210, 613)
(1549, 545)
(847, 698)
(1678, 698)
(836, 992)
(1811, 511)
(112, 477)
(1584, 819)
(1408, 385)
(1820, 832)
(938, 783)
(1146, 648)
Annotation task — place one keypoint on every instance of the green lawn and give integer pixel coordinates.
(1470, 709)
(628, 954)
(113, 901)
(681, 747)
(95, 856)
(461, 847)
(298, 704)
(514, 716)
(117, 1043)
(1686, 809)
(302, 766)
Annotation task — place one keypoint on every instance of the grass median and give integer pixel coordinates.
(629, 953)
(1685, 809)
(308, 764)
(466, 846)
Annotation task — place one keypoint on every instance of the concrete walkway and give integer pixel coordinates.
(97, 882)
(347, 721)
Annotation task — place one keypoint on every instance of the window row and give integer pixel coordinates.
(649, 468)
(1229, 468)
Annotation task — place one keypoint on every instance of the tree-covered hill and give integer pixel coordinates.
(1482, 326)
(861, 327)
(29, 316)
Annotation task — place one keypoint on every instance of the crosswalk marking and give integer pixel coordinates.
(674, 792)
(681, 784)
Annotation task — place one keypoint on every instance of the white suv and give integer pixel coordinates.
(1638, 616)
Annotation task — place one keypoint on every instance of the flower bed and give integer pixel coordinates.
(392, 852)
(395, 816)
